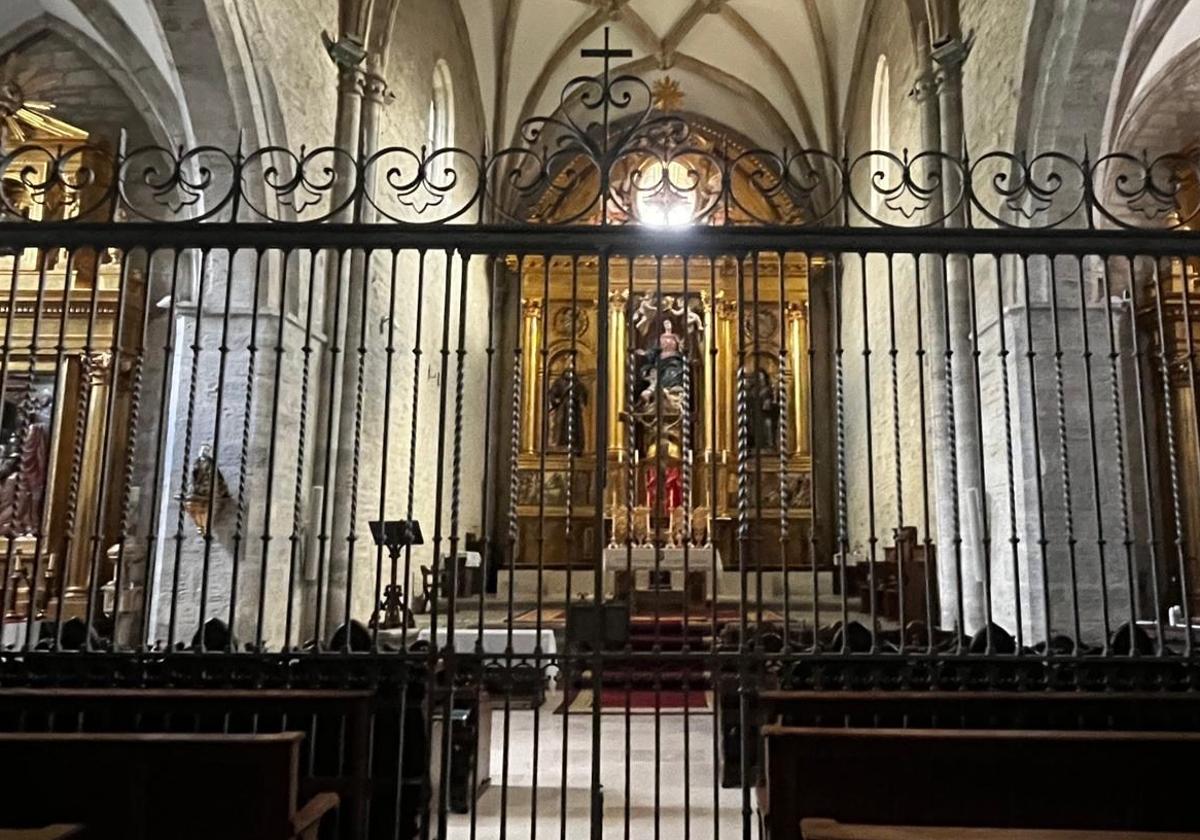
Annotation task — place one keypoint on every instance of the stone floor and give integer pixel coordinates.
(648, 796)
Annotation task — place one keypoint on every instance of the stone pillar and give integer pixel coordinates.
(372, 90)
(963, 431)
(334, 318)
(531, 339)
(933, 328)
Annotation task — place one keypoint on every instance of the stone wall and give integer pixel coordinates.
(1038, 424)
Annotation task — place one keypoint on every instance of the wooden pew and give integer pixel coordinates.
(1056, 710)
(49, 832)
(814, 829)
(337, 725)
(1003, 779)
(1052, 710)
(134, 786)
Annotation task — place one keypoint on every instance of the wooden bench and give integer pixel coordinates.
(136, 786)
(814, 829)
(1003, 779)
(49, 832)
(1053, 710)
(1141, 711)
(335, 753)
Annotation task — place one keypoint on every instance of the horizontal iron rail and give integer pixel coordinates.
(615, 239)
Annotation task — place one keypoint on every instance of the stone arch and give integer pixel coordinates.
(160, 119)
(1079, 41)
(1163, 118)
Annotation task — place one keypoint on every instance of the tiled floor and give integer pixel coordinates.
(648, 796)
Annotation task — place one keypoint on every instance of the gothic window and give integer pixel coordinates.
(441, 109)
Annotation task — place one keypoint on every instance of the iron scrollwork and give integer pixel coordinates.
(617, 159)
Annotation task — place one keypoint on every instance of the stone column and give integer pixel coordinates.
(531, 338)
(337, 275)
(962, 431)
(372, 90)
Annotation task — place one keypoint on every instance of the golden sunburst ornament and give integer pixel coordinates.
(667, 94)
(22, 114)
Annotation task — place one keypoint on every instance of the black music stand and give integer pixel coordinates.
(395, 535)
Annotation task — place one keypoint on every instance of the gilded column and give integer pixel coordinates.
(797, 348)
(97, 369)
(727, 363)
(710, 374)
(531, 342)
(617, 353)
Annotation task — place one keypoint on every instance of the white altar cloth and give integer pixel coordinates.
(646, 558)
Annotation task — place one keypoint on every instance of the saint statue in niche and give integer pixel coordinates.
(566, 400)
(762, 405)
(663, 371)
(24, 463)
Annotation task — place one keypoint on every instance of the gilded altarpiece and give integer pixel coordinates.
(66, 393)
(707, 367)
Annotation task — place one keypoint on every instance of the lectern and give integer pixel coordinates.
(395, 535)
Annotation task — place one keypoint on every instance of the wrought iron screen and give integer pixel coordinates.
(679, 420)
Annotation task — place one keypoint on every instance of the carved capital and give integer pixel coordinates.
(727, 309)
(796, 311)
(950, 55)
(97, 368)
(350, 80)
(618, 298)
(925, 87)
(375, 89)
(531, 308)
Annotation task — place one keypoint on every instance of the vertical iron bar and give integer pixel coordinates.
(922, 401)
(1164, 366)
(1093, 449)
(984, 539)
(247, 407)
(155, 473)
(1118, 418)
(869, 422)
(1014, 539)
(359, 388)
(268, 502)
(385, 447)
(296, 540)
(960, 628)
(39, 305)
(189, 428)
(743, 543)
(1031, 361)
(893, 354)
(602, 399)
(569, 407)
(419, 308)
(715, 668)
(331, 415)
(210, 501)
(1141, 390)
(543, 445)
(1064, 453)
